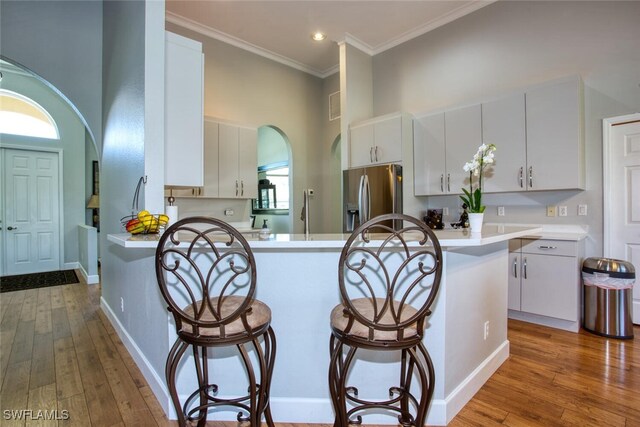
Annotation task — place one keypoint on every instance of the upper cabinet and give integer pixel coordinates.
(184, 110)
(555, 144)
(378, 140)
(538, 134)
(238, 162)
(443, 143)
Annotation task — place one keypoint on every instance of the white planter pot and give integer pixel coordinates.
(475, 222)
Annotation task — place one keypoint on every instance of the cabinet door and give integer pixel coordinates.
(387, 136)
(183, 112)
(211, 148)
(503, 124)
(515, 273)
(463, 130)
(429, 155)
(555, 154)
(228, 182)
(361, 145)
(248, 162)
(550, 286)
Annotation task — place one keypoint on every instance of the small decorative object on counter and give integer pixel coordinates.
(264, 231)
(483, 158)
(463, 222)
(434, 219)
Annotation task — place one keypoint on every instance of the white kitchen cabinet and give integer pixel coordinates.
(443, 143)
(555, 144)
(544, 282)
(238, 162)
(377, 141)
(184, 96)
(429, 155)
(503, 124)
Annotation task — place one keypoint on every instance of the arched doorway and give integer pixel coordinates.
(274, 180)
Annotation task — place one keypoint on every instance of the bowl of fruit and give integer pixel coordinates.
(144, 223)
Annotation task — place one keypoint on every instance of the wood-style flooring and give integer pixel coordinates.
(58, 352)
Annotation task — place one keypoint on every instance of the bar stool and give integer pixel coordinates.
(206, 272)
(388, 280)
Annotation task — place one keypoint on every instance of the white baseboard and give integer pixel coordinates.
(90, 279)
(551, 322)
(156, 383)
(71, 265)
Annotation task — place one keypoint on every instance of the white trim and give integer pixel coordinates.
(636, 312)
(606, 176)
(60, 153)
(156, 383)
(552, 322)
(239, 43)
(90, 279)
(71, 265)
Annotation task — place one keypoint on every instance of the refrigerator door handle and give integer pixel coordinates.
(361, 211)
(367, 195)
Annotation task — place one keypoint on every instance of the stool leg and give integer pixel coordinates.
(406, 374)
(202, 371)
(335, 349)
(173, 359)
(427, 379)
(254, 417)
(270, 358)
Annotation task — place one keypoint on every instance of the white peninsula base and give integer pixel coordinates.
(297, 278)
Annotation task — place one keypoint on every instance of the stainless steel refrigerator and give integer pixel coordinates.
(369, 192)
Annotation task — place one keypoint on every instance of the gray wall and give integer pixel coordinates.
(62, 42)
(129, 274)
(245, 88)
(510, 45)
(72, 144)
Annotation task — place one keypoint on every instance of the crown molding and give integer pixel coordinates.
(432, 25)
(241, 44)
(357, 43)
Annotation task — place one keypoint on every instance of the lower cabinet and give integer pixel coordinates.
(544, 282)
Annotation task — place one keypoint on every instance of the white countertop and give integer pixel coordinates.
(556, 232)
(491, 233)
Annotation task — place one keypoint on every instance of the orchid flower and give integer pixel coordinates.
(483, 158)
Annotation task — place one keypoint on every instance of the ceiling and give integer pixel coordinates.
(281, 30)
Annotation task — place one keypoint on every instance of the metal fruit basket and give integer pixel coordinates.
(144, 223)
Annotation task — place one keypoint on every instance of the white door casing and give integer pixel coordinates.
(621, 188)
(31, 211)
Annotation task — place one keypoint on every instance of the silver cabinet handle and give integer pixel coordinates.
(530, 176)
(376, 152)
(547, 247)
(11, 228)
(442, 182)
(524, 267)
(521, 176)
(515, 268)
(236, 188)
(449, 183)
(371, 154)
(242, 188)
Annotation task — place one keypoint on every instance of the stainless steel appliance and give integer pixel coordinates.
(369, 192)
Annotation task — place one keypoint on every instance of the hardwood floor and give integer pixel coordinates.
(58, 352)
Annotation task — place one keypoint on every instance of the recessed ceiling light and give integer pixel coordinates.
(318, 36)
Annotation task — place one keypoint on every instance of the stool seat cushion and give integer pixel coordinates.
(258, 317)
(340, 320)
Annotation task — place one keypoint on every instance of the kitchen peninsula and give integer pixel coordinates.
(297, 278)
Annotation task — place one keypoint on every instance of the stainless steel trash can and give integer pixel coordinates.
(608, 286)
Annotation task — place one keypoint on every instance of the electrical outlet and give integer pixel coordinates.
(551, 210)
(445, 211)
(228, 212)
(582, 210)
(500, 210)
(486, 330)
(122, 304)
(562, 210)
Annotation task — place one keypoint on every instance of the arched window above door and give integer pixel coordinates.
(20, 115)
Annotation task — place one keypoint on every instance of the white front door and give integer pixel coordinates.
(622, 215)
(31, 217)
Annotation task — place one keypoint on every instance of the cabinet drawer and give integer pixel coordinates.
(550, 247)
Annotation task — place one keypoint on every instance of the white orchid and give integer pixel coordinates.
(484, 157)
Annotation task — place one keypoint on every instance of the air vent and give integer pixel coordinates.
(334, 106)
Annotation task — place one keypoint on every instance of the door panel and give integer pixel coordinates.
(32, 217)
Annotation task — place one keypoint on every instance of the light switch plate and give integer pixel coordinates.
(582, 210)
(562, 210)
(500, 210)
(228, 212)
(551, 210)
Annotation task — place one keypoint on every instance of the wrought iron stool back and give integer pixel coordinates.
(206, 272)
(388, 281)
